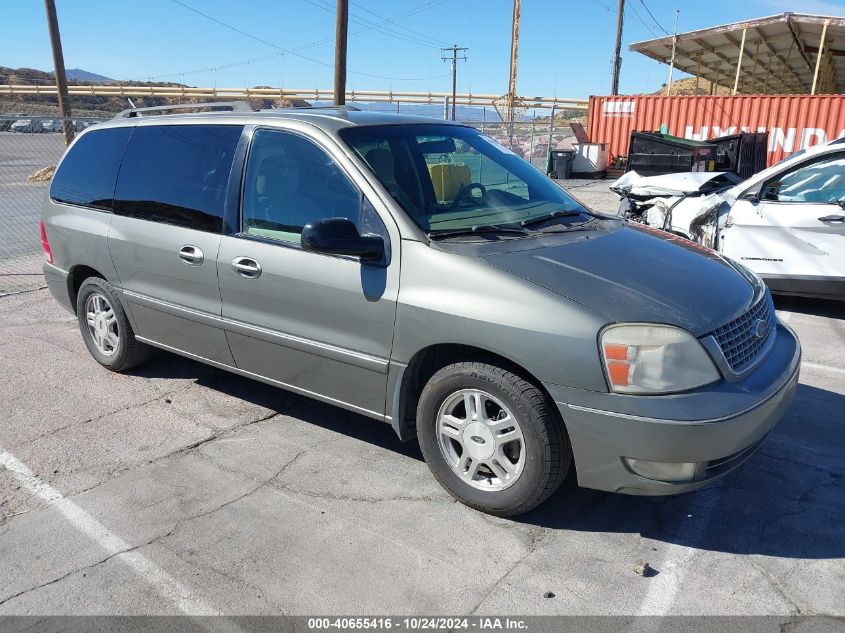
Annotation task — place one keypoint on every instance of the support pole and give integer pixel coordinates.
(617, 51)
(59, 63)
(819, 58)
(341, 30)
(754, 68)
(517, 11)
(672, 62)
(739, 62)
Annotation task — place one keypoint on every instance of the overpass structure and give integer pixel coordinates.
(499, 102)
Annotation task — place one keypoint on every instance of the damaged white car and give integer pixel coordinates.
(786, 223)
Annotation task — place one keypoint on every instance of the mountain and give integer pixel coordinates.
(689, 86)
(84, 106)
(77, 74)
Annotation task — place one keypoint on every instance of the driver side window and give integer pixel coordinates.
(821, 181)
(290, 181)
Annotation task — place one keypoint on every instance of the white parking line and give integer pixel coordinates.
(166, 585)
(827, 368)
(664, 587)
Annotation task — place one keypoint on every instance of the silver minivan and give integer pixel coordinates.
(419, 273)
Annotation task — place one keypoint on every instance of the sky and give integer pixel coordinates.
(565, 50)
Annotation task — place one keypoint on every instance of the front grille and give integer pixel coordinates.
(739, 340)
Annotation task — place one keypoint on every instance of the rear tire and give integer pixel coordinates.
(106, 330)
(491, 438)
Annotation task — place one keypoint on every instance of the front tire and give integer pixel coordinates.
(105, 328)
(491, 438)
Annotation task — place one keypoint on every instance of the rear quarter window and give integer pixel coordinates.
(177, 174)
(87, 174)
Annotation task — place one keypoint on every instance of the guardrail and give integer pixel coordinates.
(374, 96)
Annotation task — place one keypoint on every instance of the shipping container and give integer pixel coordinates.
(792, 121)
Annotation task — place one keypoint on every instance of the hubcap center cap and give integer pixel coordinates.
(100, 325)
(478, 441)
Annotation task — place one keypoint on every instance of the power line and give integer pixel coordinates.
(659, 25)
(636, 15)
(404, 28)
(325, 6)
(290, 51)
(602, 5)
(631, 14)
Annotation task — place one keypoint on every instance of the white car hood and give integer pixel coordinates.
(664, 185)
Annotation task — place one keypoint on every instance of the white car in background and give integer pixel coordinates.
(786, 223)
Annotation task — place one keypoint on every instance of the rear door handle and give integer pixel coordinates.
(832, 218)
(246, 267)
(191, 255)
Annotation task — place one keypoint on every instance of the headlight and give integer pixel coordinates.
(652, 359)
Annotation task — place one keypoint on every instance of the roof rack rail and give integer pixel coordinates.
(241, 106)
(343, 108)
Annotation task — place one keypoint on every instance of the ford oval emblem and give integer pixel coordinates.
(760, 328)
(477, 439)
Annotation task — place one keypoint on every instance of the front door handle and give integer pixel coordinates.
(832, 218)
(191, 255)
(246, 267)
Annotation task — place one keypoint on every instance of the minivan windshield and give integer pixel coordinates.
(450, 179)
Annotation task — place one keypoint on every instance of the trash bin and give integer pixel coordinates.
(744, 154)
(653, 153)
(561, 163)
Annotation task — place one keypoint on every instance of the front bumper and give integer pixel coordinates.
(720, 426)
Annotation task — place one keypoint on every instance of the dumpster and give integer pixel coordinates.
(560, 163)
(744, 154)
(653, 153)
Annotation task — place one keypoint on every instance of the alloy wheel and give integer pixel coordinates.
(102, 324)
(481, 439)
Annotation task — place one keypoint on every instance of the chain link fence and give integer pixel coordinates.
(31, 145)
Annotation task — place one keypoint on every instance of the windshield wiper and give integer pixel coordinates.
(560, 213)
(477, 229)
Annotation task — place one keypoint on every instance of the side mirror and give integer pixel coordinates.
(340, 236)
(752, 195)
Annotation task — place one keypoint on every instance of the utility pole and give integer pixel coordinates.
(517, 11)
(617, 53)
(59, 63)
(454, 59)
(672, 62)
(340, 52)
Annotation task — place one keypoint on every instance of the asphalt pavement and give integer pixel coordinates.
(179, 488)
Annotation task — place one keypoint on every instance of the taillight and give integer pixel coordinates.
(46, 245)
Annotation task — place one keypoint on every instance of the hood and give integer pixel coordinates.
(678, 184)
(636, 273)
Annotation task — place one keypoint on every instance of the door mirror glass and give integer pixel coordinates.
(340, 236)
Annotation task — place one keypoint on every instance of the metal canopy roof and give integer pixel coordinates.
(777, 54)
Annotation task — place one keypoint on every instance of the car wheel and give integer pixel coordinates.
(105, 328)
(491, 438)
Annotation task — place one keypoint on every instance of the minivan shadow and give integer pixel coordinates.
(818, 307)
(329, 417)
(787, 501)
